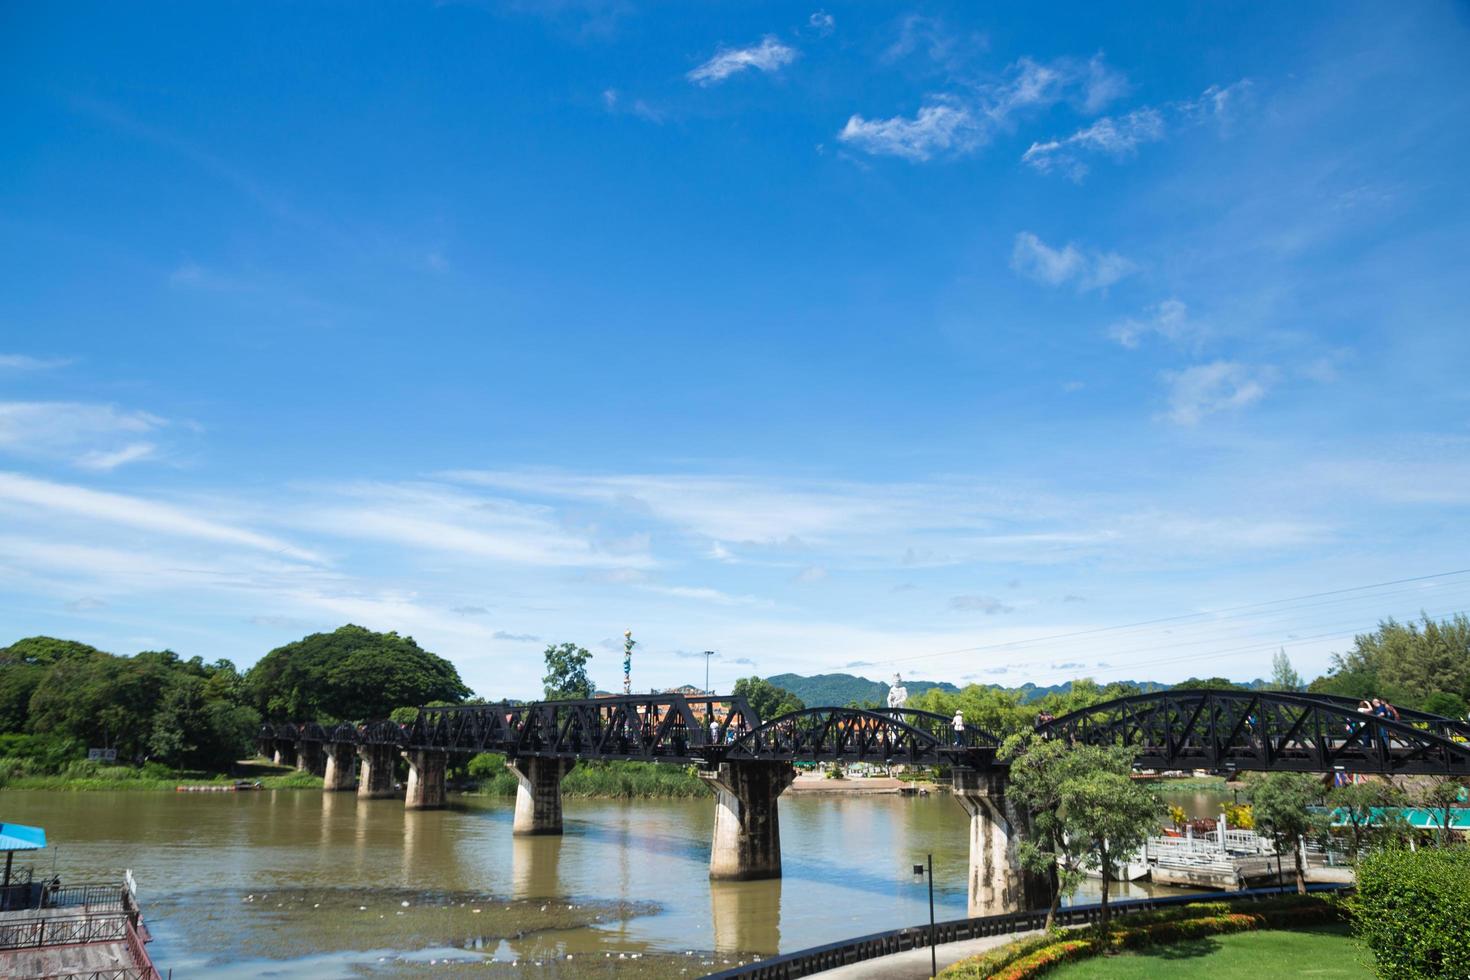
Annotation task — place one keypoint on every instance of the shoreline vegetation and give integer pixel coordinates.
(484, 775)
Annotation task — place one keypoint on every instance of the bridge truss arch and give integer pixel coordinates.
(1266, 731)
(880, 735)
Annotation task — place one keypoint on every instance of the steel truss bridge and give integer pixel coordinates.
(1270, 731)
(1220, 731)
(672, 728)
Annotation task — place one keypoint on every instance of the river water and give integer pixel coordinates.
(298, 883)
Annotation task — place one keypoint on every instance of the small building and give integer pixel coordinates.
(50, 929)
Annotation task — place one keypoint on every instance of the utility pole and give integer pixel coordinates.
(933, 952)
(707, 655)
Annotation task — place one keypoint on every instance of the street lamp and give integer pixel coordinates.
(707, 655)
(919, 871)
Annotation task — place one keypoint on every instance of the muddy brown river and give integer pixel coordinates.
(298, 883)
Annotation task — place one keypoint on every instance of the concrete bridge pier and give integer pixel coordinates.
(538, 797)
(285, 752)
(747, 839)
(426, 771)
(377, 771)
(340, 771)
(998, 883)
(309, 757)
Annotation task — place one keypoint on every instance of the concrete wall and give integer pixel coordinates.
(340, 770)
(377, 771)
(998, 883)
(426, 773)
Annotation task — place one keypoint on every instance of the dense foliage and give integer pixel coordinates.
(350, 674)
(768, 700)
(155, 705)
(1413, 911)
(1424, 665)
(58, 698)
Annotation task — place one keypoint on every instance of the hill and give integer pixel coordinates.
(842, 689)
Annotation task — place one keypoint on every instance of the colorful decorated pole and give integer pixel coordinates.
(628, 644)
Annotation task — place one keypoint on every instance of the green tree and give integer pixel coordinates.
(1112, 814)
(102, 700)
(1406, 663)
(1442, 798)
(1370, 810)
(1279, 802)
(766, 699)
(1210, 684)
(350, 674)
(1283, 676)
(1041, 771)
(989, 708)
(566, 673)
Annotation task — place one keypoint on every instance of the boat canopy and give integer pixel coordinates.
(19, 837)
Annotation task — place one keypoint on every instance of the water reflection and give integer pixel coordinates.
(534, 863)
(746, 916)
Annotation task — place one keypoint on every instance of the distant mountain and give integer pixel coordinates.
(843, 689)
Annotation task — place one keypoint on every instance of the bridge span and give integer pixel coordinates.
(748, 762)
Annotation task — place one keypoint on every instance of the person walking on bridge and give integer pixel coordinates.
(958, 724)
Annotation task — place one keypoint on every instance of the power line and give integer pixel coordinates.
(1013, 644)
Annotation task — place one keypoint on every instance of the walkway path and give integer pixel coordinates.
(913, 964)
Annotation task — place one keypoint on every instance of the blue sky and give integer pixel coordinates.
(862, 337)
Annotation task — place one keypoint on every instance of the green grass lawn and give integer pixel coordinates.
(1327, 951)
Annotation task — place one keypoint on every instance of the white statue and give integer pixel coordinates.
(898, 695)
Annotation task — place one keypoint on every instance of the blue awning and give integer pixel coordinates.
(19, 837)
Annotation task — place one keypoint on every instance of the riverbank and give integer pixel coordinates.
(119, 778)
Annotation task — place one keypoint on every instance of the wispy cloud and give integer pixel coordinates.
(1087, 270)
(443, 519)
(770, 55)
(24, 362)
(617, 103)
(1219, 386)
(107, 461)
(962, 121)
(989, 605)
(1117, 137)
(1169, 320)
(936, 128)
(87, 434)
(146, 515)
(822, 22)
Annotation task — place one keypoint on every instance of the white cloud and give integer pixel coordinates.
(822, 22)
(768, 56)
(1168, 319)
(614, 102)
(120, 509)
(1217, 102)
(1033, 258)
(436, 518)
(91, 436)
(989, 605)
(24, 362)
(107, 461)
(1115, 137)
(960, 124)
(702, 594)
(934, 129)
(1220, 386)
(1102, 85)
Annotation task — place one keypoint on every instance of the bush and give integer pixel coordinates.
(1035, 955)
(1413, 911)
